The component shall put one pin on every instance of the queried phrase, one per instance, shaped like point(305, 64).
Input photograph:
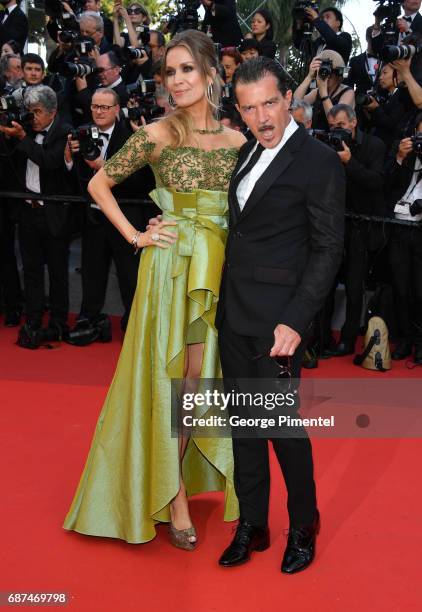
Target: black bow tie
point(43, 133)
point(371, 55)
point(106, 136)
point(408, 19)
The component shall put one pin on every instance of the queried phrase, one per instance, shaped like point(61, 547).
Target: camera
point(390, 53)
point(90, 143)
point(417, 142)
point(415, 208)
point(10, 111)
point(298, 14)
point(143, 93)
point(388, 9)
point(334, 138)
point(364, 99)
point(134, 53)
point(186, 18)
point(143, 32)
point(83, 46)
point(326, 69)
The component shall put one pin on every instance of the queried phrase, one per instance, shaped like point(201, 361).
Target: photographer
point(329, 24)
point(36, 160)
point(134, 42)
point(101, 242)
point(363, 162)
point(410, 22)
point(11, 74)
point(327, 68)
point(302, 113)
point(107, 74)
point(221, 22)
point(136, 20)
point(94, 6)
point(364, 68)
point(13, 23)
point(404, 198)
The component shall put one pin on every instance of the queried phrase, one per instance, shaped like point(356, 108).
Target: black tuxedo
point(101, 241)
point(224, 25)
point(14, 27)
point(282, 254)
point(378, 41)
point(44, 231)
point(359, 77)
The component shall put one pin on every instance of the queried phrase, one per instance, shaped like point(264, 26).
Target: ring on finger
point(155, 237)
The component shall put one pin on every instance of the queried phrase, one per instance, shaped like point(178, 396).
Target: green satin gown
point(132, 470)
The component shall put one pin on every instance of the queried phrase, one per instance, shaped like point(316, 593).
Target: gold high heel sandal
point(181, 538)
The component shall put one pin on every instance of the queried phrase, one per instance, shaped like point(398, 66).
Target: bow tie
point(43, 133)
point(106, 136)
point(408, 19)
point(371, 55)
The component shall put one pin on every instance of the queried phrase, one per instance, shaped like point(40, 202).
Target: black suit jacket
point(137, 185)
point(284, 248)
point(358, 75)
point(378, 41)
point(225, 28)
point(49, 156)
point(15, 27)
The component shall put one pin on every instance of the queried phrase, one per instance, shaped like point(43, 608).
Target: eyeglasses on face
point(102, 107)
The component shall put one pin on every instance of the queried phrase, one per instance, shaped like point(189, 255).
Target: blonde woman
point(137, 474)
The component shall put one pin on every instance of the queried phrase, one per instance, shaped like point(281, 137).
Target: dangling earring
point(171, 101)
point(209, 92)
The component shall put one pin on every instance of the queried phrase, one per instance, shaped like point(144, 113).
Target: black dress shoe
point(310, 360)
point(418, 354)
point(343, 348)
point(300, 550)
point(247, 539)
point(87, 331)
point(403, 349)
point(12, 318)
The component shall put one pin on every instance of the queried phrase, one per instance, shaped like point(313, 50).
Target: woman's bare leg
point(179, 509)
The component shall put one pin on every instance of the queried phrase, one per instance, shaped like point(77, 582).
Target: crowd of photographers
point(103, 80)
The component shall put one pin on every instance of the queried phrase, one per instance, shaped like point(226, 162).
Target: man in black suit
point(328, 23)
point(36, 158)
point(409, 23)
point(13, 23)
point(221, 20)
point(363, 163)
point(363, 68)
point(286, 202)
point(101, 242)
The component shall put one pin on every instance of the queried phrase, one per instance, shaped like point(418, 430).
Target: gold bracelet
point(134, 242)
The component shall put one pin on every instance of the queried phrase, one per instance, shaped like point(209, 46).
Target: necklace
point(216, 131)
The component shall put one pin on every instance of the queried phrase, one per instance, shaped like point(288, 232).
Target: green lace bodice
point(182, 168)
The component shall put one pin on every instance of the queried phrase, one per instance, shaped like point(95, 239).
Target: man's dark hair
point(112, 58)
point(256, 69)
point(33, 58)
point(337, 13)
point(160, 37)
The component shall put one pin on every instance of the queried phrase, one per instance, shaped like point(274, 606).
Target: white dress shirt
point(414, 192)
point(247, 184)
point(103, 154)
point(33, 170)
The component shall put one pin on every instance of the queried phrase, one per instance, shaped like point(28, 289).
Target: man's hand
point(402, 25)
point(372, 105)
point(16, 131)
point(402, 66)
point(311, 13)
point(95, 164)
point(286, 341)
point(346, 154)
point(405, 148)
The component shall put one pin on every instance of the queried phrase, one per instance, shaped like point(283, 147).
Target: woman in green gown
point(137, 474)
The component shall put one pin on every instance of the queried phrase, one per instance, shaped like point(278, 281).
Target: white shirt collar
point(119, 80)
point(291, 128)
point(11, 7)
point(412, 16)
point(109, 130)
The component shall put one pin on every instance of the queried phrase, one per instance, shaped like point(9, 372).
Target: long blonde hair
point(203, 52)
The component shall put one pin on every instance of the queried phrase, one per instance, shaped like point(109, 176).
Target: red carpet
point(368, 555)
